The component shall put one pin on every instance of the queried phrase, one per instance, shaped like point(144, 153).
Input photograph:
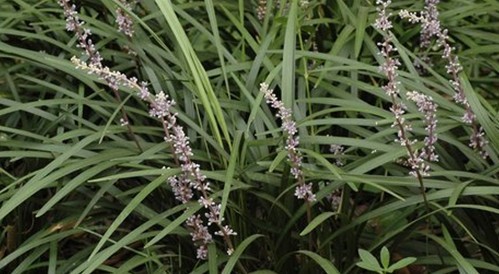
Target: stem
point(94, 56)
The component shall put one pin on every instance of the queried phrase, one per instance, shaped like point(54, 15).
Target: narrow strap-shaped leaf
point(288, 59)
point(130, 207)
point(234, 258)
point(37, 183)
point(316, 222)
point(325, 264)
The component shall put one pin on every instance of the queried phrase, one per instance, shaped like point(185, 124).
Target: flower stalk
point(389, 68)
point(190, 182)
point(303, 190)
point(74, 24)
point(431, 27)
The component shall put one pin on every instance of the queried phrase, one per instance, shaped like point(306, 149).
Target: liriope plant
point(133, 155)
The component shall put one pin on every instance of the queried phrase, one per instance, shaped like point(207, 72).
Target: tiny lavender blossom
point(428, 108)
point(261, 10)
point(337, 150)
point(74, 24)
point(200, 235)
point(302, 191)
point(125, 23)
point(335, 199)
point(383, 22)
point(431, 27)
point(305, 192)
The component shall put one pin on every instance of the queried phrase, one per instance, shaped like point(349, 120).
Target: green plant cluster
point(84, 170)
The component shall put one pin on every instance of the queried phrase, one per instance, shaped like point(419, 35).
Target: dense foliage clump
point(249, 136)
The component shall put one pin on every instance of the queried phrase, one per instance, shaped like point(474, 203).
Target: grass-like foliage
point(249, 136)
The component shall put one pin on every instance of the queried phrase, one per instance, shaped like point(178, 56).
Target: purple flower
point(74, 24)
point(337, 150)
point(206, 202)
point(200, 231)
point(143, 91)
point(477, 140)
point(289, 128)
point(202, 252)
point(431, 26)
point(214, 214)
point(305, 192)
point(199, 234)
point(226, 230)
point(428, 108)
point(181, 188)
point(160, 107)
point(125, 23)
point(383, 22)
point(182, 148)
